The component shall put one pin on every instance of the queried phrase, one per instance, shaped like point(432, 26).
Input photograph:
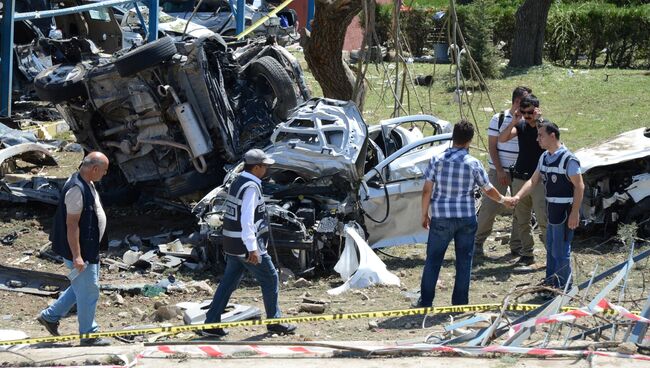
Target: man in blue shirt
point(448, 193)
point(559, 169)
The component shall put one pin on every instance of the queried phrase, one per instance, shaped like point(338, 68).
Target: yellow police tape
point(297, 320)
point(263, 19)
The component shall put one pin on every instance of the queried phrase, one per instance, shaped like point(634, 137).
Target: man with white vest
point(560, 171)
point(245, 231)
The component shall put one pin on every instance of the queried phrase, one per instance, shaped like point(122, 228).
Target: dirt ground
point(493, 279)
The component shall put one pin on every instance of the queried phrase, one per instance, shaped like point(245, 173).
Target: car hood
point(624, 147)
point(322, 137)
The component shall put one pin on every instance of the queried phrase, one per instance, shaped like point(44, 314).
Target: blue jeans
point(441, 232)
point(264, 273)
point(83, 291)
point(558, 254)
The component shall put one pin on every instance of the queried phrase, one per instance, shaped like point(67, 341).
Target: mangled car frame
point(169, 114)
point(617, 182)
point(330, 170)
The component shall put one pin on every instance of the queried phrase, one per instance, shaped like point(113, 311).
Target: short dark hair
point(249, 167)
point(520, 92)
point(463, 132)
point(528, 101)
point(549, 127)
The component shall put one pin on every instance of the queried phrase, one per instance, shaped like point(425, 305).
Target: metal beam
point(311, 10)
point(153, 20)
point(239, 16)
point(6, 55)
point(70, 10)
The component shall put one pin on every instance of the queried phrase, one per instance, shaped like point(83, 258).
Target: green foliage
point(478, 35)
point(417, 25)
point(616, 36)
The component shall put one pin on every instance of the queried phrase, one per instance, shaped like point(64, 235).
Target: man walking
point(529, 153)
point(245, 231)
point(559, 170)
point(452, 176)
point(503, 156)
point(78, 228)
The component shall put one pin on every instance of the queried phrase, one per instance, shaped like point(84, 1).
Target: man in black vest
point(245, 231)
point(529, 153)
point(78, 229)
point(559, 169)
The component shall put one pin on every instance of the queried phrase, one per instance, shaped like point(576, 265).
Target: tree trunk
point(530, 25)
point(324, 49)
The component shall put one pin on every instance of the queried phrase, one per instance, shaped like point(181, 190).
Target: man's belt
point(523, 176)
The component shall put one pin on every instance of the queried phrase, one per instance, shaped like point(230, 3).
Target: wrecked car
point(170, 114)
point(616, 174)
point(331, 170)
point(217, 15)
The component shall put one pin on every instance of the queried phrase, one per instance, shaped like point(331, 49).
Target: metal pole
point(70, 10)
point(7, 54)
point(153, 20)
point(239, 16)
point(143, 24)
point(311, 10)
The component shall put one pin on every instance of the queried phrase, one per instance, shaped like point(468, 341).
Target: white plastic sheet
point(360, 272)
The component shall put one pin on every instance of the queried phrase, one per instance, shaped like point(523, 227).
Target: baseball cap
point(257, 157)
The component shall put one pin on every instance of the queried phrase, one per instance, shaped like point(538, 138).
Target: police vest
point(232, 229)
point(88, 223)
point(558, 186)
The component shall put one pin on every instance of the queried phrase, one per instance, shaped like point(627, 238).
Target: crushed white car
point(332, 170)
point(617, 182)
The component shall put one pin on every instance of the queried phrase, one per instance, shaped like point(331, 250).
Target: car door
point(391, 193)
point(401, 131)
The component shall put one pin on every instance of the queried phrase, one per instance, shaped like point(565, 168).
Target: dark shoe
point(213, 332)
point(510, 256)
point(525, 261)
point(96, 341)
point(418, 304)
point(51, 327)
point(281, 328)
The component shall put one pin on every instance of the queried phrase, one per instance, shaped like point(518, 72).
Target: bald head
point(94, 159)
point(94, 166)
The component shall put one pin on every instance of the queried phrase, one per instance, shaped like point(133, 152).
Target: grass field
point(590, 105)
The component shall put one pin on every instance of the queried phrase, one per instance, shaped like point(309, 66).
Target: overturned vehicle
point(170, 114)
point(332, 169)
point(617, 182)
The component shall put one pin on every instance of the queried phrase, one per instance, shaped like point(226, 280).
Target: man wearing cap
point(245, 231)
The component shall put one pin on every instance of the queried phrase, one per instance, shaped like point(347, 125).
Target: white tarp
point(362, 272)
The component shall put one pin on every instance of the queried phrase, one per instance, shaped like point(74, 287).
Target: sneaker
point(281, 328)
point(96, 341)
point(51, 327)
point(213, 332)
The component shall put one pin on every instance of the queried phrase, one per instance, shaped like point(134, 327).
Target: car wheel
point(60, 82)
point(145, 56)
point(115, 190)
point(274, 84)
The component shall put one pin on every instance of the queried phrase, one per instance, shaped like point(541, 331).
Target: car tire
point(60, 82)
point(145, 56)
point(278, 80)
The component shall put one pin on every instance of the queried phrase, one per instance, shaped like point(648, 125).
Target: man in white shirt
point(503, 156)
point(245, 231)
point(78, 229)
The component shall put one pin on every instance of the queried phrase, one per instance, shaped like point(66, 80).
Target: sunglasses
point(529, 112)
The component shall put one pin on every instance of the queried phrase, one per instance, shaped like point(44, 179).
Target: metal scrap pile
point(570, 323)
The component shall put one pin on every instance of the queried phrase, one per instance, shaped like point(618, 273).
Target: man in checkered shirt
point(452, 177)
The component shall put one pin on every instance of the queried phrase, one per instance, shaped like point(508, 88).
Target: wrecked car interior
point(617, 182)
point(331, 171)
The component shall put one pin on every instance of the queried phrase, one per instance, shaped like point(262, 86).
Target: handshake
point(509, 202)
